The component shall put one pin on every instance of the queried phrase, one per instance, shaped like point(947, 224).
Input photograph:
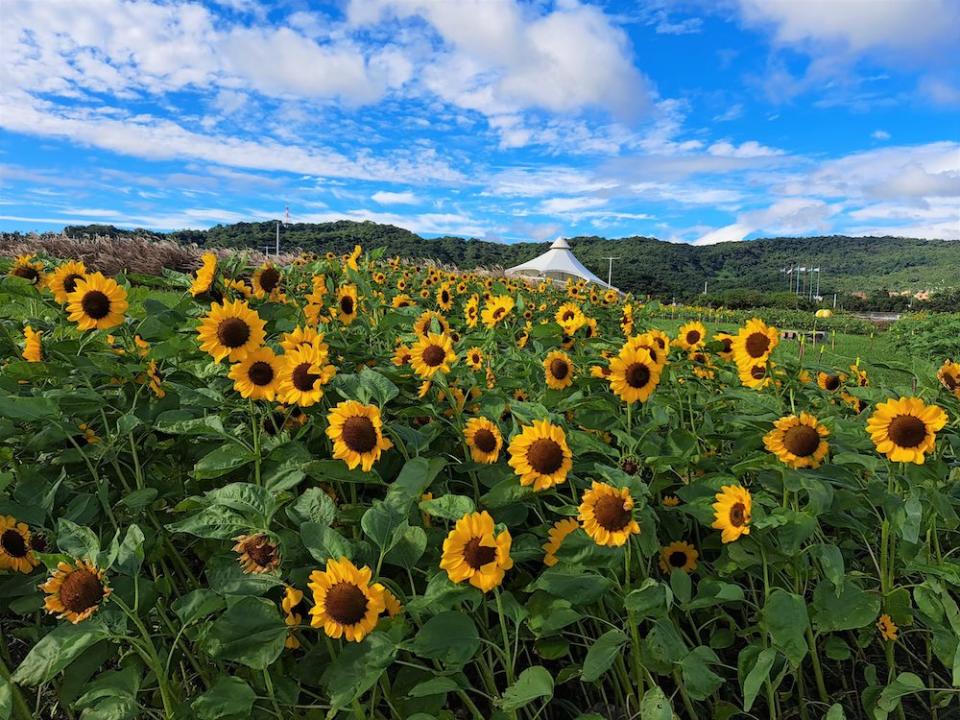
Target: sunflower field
point(353, 487)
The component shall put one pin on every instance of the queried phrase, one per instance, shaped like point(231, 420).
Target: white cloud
point(880, 135)
point(733, 112)
point(562, 205)
point(729, 233)
point(940, 91)
point(384, 197)
point(749, 149)
point(790, 216)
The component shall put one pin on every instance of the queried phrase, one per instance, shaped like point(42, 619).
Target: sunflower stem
point(256, 442)
point(508, 660)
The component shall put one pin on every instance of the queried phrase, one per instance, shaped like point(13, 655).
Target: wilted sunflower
point(633, 375)
point(357, 434)
point(539, 454)
point(231, 330)
point(29, 269)
point(570, 317)
point(206, 273)
point(345, 603)
point(678, 555)
point(484, 440)
point(74, 592)
point(445, 297)
point(32, 347)
point(63, 280)
point(258, 554)
point(727, 340)
point(555, 537)
point(347, 303)
point(257, 375)
point(558, 369)
point(798, 441)
point(266, 280)
point(732, 512)
point(754, 343)
point(96, 303)
point(692, 336)
point(16, 553)
point(905, 429)
point(472, 551)
point(430, 321)
point(949, 377)
point(475, 358)
point(496, 309)
point(303, 376)
point(831, 382)
point(606, 514)
point(432, 353)
point(887, 627)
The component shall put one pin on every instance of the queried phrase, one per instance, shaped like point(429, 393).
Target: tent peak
point(560, 244)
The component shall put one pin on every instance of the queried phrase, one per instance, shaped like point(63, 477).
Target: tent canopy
point(558, 263)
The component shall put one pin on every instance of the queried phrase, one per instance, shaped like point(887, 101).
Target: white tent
point(557, 263)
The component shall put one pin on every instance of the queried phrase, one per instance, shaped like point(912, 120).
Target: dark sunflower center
point(434, 355)
point(70, 282)
point(346, 305)
point(727, 344)
point(95, 304)
point(545, 456)
point(13, 544)
point(637, 375)
point(950, 381)
point(801, 440)
point(832, 382)
point(568, 315)
point(359, 434)
point(677, 559)
point(757, 345)
point(261, 550)
point(80, 591)
point(346, 603)
point(907, 430)
point(699, 358)
point(693, 337)
point(485, 440)
point(260, 373)
point(445, 297)
point(476, 359)
point(477, 555)
point(233, 332)
point(27, 273)
point(303, 379)
point(559, 369)
point(738, 514)
point(498, 313)
point(270, 279)
point(610, 513)
point(757, 372)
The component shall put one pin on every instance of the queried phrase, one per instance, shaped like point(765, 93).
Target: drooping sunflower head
point(484, 440)
point(906, 429)
point(432, 354)
point(831, 382)
point(691, 336)
point(606, 513)
point(755, 342)
point(206, 273)
point(558, 370)
point(267, 280)
point(231, 330)
point(75, 591)
point(345, 603)
point(32, 345)
point(257, 375)
point(949, 377)
point(303, 376)
point(633, 374)
point(726, 339)
point(732, 512)
point(475, 552)
point(555, 537)
point(798, 441)
point(97, 303)
point(540, 456)
point(678, 555)
point(257, 554)
point(27, 268)
point(63, 280)
point(357, 434)
point(16, 552)
point(154, 379)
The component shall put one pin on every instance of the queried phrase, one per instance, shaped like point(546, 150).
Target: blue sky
point(701, 121)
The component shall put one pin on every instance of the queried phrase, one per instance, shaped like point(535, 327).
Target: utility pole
point(610, 269)
point(286, 220)
point(704, 287)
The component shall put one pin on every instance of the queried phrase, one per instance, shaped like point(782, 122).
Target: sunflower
point(626, 319)
point(692, 336)
point(32, 347)
point(570, 317)
point(402, 356)
point(731, 512)
point(558, 369)
point(445, 297)
point(648, 342)
point(424, 325)
point(432, 353)
point(351, 259)
point(702, 365)
point(678, 555)
point(471, 311)
point(475, 358)
point(496, 309)
point(345, 603)
point(75, 592)
point(63, 280)
point(96, 303)
point(347, 303)
point(402, 301)
point(754, 376)
point(633, 375)
point(555, 536)
point(305, 337)
point(670, 501)
point(27, 268)
point(539, 454)
point(155, 380)
point(303, 376)
point(87, 436)
point(238, 286)
point(16, 553)
point(266, 280)
point(390, 601)
point(258, 554)
point(257, 375)
point(606, 514)
point(231, 330)
point(798, 441)
point(472, 551)
point(727, 340)
point(831, 382)
point(905, 429)
point(754, 343)
point(484, 440)
point(887, 627)
point(203, 281)
point(949, 376)
point(357, 434)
